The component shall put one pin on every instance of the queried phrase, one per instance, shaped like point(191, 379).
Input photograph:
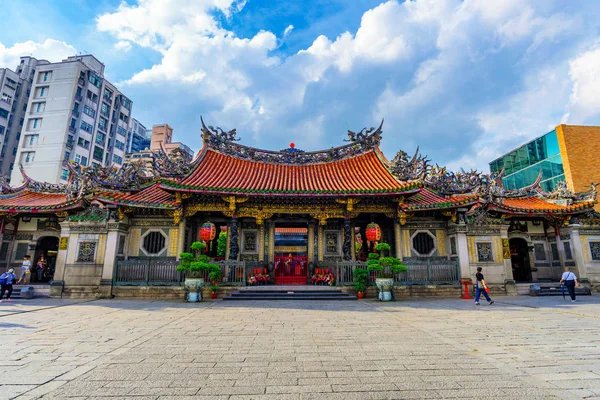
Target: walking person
point(481, 287)
point(26, 269)
point(41, 266)
point(569, 279)
point(6, 284)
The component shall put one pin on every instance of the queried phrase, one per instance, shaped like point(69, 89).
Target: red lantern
point(373, 232)
point(207, 232)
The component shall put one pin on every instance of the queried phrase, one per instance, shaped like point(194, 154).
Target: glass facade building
point(523, 165)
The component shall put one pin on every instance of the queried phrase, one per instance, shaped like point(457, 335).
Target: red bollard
point(466, 284)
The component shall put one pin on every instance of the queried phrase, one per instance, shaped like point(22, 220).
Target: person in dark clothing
point(481, 287)
point(569, 279)
point(6, 283)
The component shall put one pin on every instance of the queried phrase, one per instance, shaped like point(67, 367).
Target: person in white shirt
point(569, 279)
point(25, 269)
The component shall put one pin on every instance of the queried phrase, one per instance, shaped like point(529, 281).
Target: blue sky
point(464, 80)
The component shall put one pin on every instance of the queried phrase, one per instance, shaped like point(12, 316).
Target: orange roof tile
point(363, 174)
point(426, 199)
point(537, 205)
point(152, 196)
point(33, 201)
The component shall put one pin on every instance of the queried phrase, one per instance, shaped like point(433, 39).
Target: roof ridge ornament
point(224, 142)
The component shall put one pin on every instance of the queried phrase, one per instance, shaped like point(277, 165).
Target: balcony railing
point(81, 81)
point(75, 113)
point(70, 145)
point(78, 97)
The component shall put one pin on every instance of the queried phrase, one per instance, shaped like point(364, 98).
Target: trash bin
point(27, 293)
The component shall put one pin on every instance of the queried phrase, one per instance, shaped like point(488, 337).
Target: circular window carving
point(423, 243)
point(154, 243)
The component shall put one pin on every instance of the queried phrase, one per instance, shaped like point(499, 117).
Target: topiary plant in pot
point(361, 276)
point(195, 265)
point(385, 267)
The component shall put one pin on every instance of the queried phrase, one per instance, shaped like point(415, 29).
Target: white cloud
point(585, 74)
point(51, 50)
point(288, 30)
point(457, 77)
point(123, 45)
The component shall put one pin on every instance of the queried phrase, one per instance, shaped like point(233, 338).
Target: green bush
point(361, 277)
point(195, 265)
point(222, 244)
point(385, 266)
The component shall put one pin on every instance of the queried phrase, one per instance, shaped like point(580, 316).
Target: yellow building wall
point(579, 147)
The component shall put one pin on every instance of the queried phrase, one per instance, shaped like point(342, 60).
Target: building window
point(108, 94)
point(452, 246)
point(119, 145)
point(40, 107)
point(104, 110)
point(595, 250)
point(83, 143)
point(3, 113)
point(89, 111)
point(87, 127)
point(250, 242)
point(64, 175)
point(84, 160)
point(423, 243)
point(484, 252)
point(47, 76)
point(100, 137)
point(539, 252)
point(67, 155)
point(103, 124)
point(43, 91)
point(154, 243)
point(127, 103)
point(28, 157)
point(117, 159)
point(86, 252)
point(554, 249)
point(332, 242)
point(6, 98)
point(95, 79)
point(2, 129)
point(31, 140)
point(568, 253)
point(98, 153)
point(121, 131)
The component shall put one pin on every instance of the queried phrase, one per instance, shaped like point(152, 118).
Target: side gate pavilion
point(293, 213)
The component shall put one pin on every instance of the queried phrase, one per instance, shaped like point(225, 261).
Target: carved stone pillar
point(261, 242)
point(320, 244)
point(311, 242)
point(397, 240)
point(234, 247)
point(58, 283)
point(346, 248)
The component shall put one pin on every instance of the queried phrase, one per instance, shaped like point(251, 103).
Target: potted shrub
point(195, 265)
point(213, 291)
point(386, 267)
point(215, 275)
point(361, 276)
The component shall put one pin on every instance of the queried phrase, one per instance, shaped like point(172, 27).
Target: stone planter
point(385, 286)
point(193, 289)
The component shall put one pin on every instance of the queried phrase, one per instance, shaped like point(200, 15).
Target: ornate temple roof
point(225, 167)
point(31, 201)
point(152, 196)
point(426, 199)
point(362, 174)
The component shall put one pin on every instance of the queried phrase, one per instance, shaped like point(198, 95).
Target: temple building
point(289, 214)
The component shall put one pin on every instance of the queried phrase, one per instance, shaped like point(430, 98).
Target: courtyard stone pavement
point(518, 348)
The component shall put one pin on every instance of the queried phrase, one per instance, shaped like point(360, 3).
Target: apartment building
point(15, 88)
point(163, 134)
point(138, 137)
point(73, 114)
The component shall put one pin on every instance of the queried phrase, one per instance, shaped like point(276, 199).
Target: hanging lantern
point(207, 232)
point(373, 232)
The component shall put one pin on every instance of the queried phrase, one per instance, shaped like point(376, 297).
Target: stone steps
point(272, 293)
point(554, 289)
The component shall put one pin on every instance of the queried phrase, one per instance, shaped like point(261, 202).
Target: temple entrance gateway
point(519, 258)
point(47, 246)
point(291, 255)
